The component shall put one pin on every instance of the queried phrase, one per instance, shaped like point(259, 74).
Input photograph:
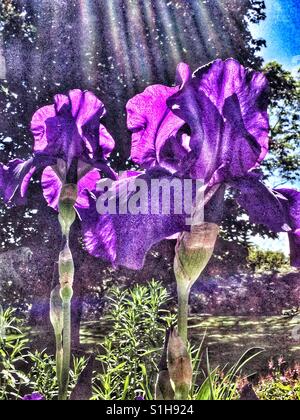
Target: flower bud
point(193, 252)
point(66, 268)
point(56, 310)
point(67, 200)
point(66, 293)
point(179, 366)
point(163, 388)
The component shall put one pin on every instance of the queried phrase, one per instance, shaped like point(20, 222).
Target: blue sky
point(281, 30)
point(282, 33)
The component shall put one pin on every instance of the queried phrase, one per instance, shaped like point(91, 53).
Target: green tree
point(284, 157)
point(14, 20)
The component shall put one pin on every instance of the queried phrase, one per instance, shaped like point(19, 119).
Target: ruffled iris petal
point(125, 239)
point(263, 205)
point(229, 136)
point(279, 210)
point(71, 128)
point(16, 175)
point(152, 124)
point(222, 79)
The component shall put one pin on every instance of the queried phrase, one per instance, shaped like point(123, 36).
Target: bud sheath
point(67, 214)
point(193, 251)
point(179, 366)
point(66, 267)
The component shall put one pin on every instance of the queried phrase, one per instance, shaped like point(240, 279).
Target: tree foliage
point(14, 21)
point(284, 157)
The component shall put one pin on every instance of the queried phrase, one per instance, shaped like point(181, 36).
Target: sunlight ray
point(88, 36)
point(120, 47)
point(169, 31)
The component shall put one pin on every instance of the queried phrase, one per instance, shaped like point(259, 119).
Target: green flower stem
point(67, 216)
point(66, 271)
point(66, 348)
point(59, 362)
point(56, 317)
point(183, 311)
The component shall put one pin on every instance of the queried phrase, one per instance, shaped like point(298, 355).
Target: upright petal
point(106, 142)
point(56, 133)
point(87, 110)
point(44, 136)
point(207, 128)
point(71, 128)
point(222, 79)
point(227, 138)
point(152, 125)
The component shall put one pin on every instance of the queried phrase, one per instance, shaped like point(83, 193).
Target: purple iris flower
point(139, 398)
point(70, 145)
point(212, 126)
point(36, 396)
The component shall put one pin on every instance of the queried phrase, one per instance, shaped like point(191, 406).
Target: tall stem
point(56, 317)
point(59, 362)
point(67, 216)
point(66, 268)
point(66, 348)
point(183, 311)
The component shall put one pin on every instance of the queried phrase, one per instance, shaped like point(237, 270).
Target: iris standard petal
point(220, 80)
point(71, 128)
point(224, 143)
point(152, 124)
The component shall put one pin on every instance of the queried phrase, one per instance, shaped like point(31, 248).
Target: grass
point(228, 337)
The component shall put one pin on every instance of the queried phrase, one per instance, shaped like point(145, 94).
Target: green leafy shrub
point(12, 355)
point(131, 352)
point(129, 357)
point(23, 372)
point(43, 377)
point(266, 260)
